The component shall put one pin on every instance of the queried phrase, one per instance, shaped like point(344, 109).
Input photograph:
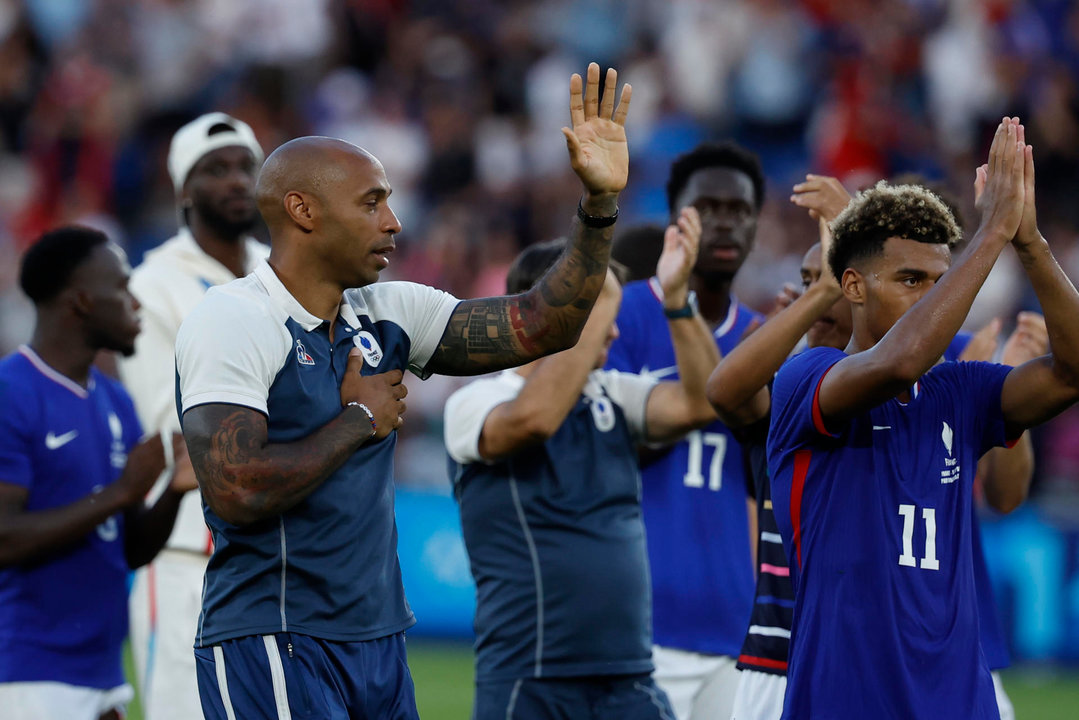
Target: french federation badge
point(368, 345)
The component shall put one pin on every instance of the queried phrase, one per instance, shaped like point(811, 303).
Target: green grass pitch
point(443, 677)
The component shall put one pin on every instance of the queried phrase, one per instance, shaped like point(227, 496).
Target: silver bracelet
point(370, 415)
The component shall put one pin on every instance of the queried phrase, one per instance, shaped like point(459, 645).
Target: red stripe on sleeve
point(801, 468)
point(818, 418)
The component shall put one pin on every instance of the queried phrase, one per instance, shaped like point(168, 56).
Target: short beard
point(224, 227)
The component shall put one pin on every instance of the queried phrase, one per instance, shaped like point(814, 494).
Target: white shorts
point(166, 598)
point(700, 687)
point(1004, 703)
point(60, 701)
point(759, 696)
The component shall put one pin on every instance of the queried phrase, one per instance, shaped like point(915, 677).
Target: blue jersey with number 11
point(693, 496)
point(876, 518)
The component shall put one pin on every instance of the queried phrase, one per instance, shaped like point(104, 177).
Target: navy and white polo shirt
point(327, 567)
point(555, 535)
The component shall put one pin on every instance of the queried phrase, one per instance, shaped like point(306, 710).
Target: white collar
point(281, 297)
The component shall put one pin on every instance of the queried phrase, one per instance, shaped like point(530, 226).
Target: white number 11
point(929, 562)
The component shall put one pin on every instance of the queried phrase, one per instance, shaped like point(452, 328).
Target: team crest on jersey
point(950, 473)
point(368, 345)
point(302, 356)
point(117, 452)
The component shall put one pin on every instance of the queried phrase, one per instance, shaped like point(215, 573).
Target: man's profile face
point(724, 198)
point(899, 277)
point(356, 222)
point(221, 189)
point(833, 328)
point(112, 320)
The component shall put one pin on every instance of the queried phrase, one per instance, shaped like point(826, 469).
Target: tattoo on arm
point(494, 333)
point(243, 477)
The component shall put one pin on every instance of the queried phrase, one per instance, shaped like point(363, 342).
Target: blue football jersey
point(694, 496)
point(64, 618)
point(994, 644)
point(876, 519)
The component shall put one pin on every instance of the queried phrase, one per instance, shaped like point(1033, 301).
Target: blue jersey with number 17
point(693, 496)
point(875, 515)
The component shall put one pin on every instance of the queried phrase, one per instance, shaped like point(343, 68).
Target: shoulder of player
point(113, 388)
point(388, 298)
point(242, 306)
point(611, 380)
point(813, 361)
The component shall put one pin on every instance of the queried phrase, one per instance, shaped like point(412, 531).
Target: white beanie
point(193, 141)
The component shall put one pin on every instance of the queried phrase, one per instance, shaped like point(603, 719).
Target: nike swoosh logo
point(659, 372)
point(53, 442)
point(882, 427)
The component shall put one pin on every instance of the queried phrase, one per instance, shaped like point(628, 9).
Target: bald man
point(289, 385)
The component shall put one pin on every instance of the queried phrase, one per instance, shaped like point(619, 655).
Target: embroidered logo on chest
point(369, 346)
point(950, 473)
point(302, 356)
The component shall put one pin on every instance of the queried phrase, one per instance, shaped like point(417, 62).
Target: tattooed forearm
point(244, 478)
point(494, 333)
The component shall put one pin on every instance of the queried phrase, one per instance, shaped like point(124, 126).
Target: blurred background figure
point(213, 162)
point(73, 474)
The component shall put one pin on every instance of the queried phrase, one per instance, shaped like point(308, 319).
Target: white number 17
point(697, 440)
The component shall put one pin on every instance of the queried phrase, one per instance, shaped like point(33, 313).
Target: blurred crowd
point(462, 100)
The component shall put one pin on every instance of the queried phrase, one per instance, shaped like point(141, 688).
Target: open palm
point(598, 151)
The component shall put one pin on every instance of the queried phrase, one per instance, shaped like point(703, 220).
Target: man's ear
point(853, 284)
point(78, 300)
point(300, 208)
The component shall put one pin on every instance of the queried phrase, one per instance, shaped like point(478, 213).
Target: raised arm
point(245, 478)
point(1043, 387)
point(493, 333)
point(552, 387)
point(677, 407)
point(920, 337)
point(738, 388)
point(1006, 472)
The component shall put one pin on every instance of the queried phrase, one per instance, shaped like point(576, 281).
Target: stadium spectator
point(544, 468)
point(702, 592)
point(73, 475)
point(292, 436)
point(213, 162)
point(871, 592)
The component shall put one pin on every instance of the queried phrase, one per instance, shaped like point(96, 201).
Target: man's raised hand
point(824, 197)
point(999, 185)
point(598, 151)
point(681, 242)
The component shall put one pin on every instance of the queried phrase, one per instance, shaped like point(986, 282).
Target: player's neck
point(713, 298)
point(228, 249)
point(64, 352)
point(318, 296)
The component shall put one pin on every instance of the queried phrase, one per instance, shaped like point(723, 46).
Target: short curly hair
point(884, 211)
point(708, 155)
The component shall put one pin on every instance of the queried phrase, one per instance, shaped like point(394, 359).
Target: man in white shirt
point(213, 162)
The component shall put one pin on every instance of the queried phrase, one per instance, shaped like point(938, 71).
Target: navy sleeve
point(796, 417)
